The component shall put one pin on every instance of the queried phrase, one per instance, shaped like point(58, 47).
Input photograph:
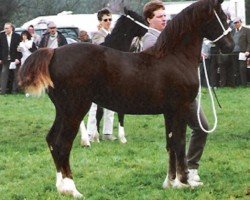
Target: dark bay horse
point(127, 27)
point(161, 80)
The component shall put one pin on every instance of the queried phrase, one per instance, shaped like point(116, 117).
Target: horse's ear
point(125, 10)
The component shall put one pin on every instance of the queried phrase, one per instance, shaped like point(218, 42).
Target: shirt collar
point(106, 31)
point(9, 34)
point(155, 30)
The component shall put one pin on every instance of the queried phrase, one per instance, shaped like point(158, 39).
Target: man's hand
point(17, 61)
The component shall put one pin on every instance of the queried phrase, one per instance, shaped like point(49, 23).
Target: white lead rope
point(211, 97)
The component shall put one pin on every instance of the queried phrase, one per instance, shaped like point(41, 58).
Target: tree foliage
point(24, 10)
point(7, 10)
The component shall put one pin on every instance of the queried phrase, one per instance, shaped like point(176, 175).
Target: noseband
point(225, 32)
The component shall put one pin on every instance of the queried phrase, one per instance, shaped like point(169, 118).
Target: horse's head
point(126, 28)
point(217, 29)
point(134, 22)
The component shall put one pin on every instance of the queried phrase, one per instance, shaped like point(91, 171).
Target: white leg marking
point(167, 183)
point(58, 179)
point(95, 137)
point(66, 186)
point(178, 184)
point(84, 135)
point(194, 183)
point(121, 134)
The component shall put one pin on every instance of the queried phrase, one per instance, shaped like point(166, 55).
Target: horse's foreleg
point(84, 135)
point(99, 115)
point(179, 145)
point(169, 181)
point(93, 122)
point(121, 133)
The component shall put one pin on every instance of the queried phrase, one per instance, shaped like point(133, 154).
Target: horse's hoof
point(85, 143)
point(123, 140)
point(95, 137)
point(66, 186)
point(168, 183)
point(178, 184)
point(77, 195)
point(194, 184)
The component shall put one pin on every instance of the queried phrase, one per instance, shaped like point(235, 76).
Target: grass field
point(110, 170)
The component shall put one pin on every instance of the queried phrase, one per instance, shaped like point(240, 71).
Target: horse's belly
point(129, 105)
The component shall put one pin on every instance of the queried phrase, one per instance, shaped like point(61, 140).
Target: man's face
point(237, 24)
point(31, 30)
point(7, 29)
point(159, 21)
point(83, 36)
point(52, 30)
point(106, 21)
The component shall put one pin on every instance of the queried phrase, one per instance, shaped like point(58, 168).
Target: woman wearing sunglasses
point(105, 18)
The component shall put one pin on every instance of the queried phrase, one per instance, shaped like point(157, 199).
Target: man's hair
point(11, 25)
point(150, 7)
point(104, 11)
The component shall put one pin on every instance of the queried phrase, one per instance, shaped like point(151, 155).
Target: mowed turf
point(110, 170)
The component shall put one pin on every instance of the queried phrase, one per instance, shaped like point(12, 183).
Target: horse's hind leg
point(121, 133)
point(99, 115)
point(60, 140)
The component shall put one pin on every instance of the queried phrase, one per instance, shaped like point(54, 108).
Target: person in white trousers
point(104, 17)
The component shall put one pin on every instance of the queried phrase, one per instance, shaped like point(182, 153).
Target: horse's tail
point(34, 76)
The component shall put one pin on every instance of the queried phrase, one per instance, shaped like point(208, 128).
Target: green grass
point(110, 170)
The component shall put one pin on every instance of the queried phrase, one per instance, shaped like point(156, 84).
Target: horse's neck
point(191, 48)
point(120, 43)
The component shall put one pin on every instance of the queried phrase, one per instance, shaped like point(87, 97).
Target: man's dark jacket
point(4, 49)
point(60, 39)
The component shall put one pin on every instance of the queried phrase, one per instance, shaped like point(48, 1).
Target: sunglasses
point(109, 19)
point(52, 28)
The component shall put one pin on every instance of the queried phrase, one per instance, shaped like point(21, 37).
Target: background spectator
point(83, 36)
point(241, 36)
point(34, 36)
point(53, 38)
point(9, 57)
point(26, 46)
point(104, 17)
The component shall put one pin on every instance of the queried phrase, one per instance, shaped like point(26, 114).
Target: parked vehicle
point(87, 22)
point(70, 33)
